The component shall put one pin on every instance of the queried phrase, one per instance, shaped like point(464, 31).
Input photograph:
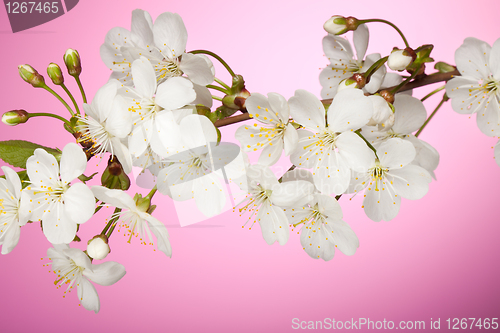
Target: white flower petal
point(42, 166)
point(170, 34)
point(197, 131)
point(197, 69)
point(411, 182)
point(472, 58)
point(142, 28)
point(73, 162)
point(395, 153)
point(13, 181)
point(144, 77)
point(381, 201)
point(488, 117)
point(279, 105)
point(161, 234)
point(410, 114)
point(79, 203)
point(116, 198)
point(360, 40)
point(350, 109)
point(105, 274)
point(57, 226)
point(271, 152)
point(175, 93)
point(290, 139)
point(354, 151)
point(273, 224)
point(495, 59)
point(307, 110)
point(259, 108)
point(10, 238)
point(87, 295)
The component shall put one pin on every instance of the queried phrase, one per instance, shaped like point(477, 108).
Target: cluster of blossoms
point(477, 89)
point(154, 115)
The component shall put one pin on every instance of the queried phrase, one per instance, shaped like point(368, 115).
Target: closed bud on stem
point(72, 61)
point(114, 177)
point(338, 25)
point(15, 117)
point(237, 96)
point(349, 83)
point(30, 75)
point(388, 96)
point(400, 59)
point(98, 247)
point(443, 67)
point(55, 74)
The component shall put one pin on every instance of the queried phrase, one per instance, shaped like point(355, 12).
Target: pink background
point(437, 259)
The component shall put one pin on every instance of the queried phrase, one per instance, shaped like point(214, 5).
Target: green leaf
point(17, 152)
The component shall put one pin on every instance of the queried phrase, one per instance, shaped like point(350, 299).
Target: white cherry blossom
point(390, 178)
point(276, 134)
point(136, 218)
point(74, 268)
point(343, 65)
point(107, 124)
point(323, 229)
point(15, 209)
point(477, 90)
point(266, 199)
point(60, 205)
point(409, 116)
point(163, 43)
point(333, 149)
point(153, 108)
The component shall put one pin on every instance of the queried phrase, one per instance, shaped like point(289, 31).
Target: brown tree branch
point(420, 82)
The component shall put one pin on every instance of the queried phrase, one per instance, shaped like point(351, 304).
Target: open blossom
point(276, 134)
point(343, 64)
point(389, 178)
point(74, 268)
point(59, 204)
point(136, 217)
point(152, 107)
point(477, 89)
point(409, 116)
point(15, 209)
point(107, 123)
point(266, 199)
point(163, 43)
point(323, 229)
point(333, 149)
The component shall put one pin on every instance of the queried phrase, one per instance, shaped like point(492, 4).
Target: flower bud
point(98, 248)
point(346, 84)
point(388, 96)
point(72, 61)
point(55, 74)
point(443, 67)
point(30, 75)
point(338, 25)
point(237, 96)
point(15, 117)
point(114, 177)
point(399, 60)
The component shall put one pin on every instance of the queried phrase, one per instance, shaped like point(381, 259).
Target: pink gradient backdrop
point(438, 259)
